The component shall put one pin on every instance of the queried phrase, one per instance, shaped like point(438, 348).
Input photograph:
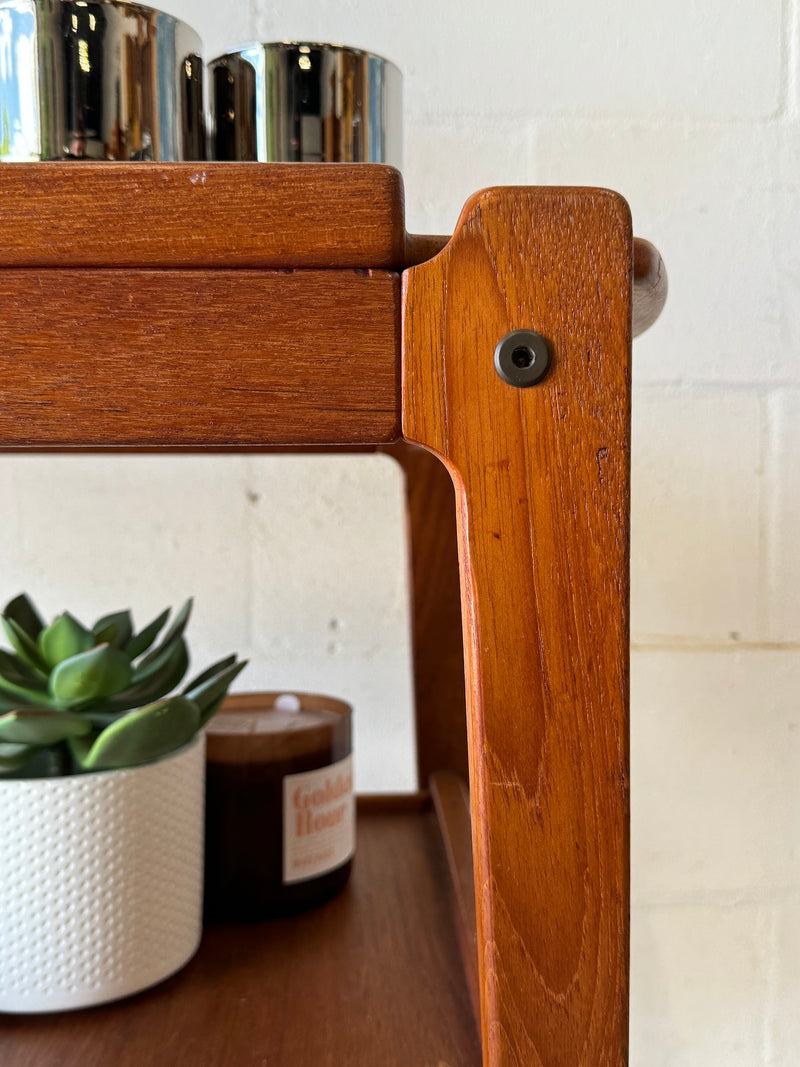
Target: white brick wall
point(692, 110)
point(700, 986)
point(715, 751)
point(715, 744)
point(298, 564)
point(695, 529)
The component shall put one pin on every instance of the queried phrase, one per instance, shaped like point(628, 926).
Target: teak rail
point(251, 307)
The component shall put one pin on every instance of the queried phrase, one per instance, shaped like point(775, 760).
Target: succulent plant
point(76, 699)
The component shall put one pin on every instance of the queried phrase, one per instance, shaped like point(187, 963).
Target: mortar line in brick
point(651, 119)
point(665, 643)
point(705, 388)
point(748, 897)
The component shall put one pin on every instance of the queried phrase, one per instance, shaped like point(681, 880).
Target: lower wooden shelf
point(374, 978)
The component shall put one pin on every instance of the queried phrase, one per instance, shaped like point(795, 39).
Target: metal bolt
point(522, 358)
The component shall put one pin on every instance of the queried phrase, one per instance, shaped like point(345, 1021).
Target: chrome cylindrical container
point(98, 79)
point(305, 103)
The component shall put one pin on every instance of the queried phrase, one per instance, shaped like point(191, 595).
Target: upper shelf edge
point(201, 215)
point(205, 215)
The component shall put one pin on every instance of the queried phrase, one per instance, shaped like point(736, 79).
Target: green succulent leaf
point(64, 638)
point(13, 756)
point(19, 682)
point(211, 690)
point(154, 664)
point(71, 699)
point(144, 639)
point(99, 719)
point(115, 629)
point(141, 735)
point(175, 631)
point(210, 672)
point(8, 703)
point(156, 685)
point(90, 676)
point(15, 669)
point(25, 647)
point(25, 615)
point(35, 726)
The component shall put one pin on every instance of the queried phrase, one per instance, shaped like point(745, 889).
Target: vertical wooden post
point(439, 697)
point(542, 484)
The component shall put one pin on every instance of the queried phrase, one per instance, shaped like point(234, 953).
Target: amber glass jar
point(280, 809)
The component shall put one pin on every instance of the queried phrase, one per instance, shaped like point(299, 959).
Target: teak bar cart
point(249, 307)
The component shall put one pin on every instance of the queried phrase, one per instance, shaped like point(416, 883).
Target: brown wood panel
point(542, 481)
point(649, 275)
point(451, 803)
point(371, 978)
point(184, 359)
point(439, 694)
point(201, 215)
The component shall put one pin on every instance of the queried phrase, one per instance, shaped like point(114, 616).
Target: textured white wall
point(299, 564)
point(692, 110)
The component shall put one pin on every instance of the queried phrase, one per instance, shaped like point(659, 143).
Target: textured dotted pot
point(101, 880)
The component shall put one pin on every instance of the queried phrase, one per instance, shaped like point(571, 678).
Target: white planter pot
point(101, 881)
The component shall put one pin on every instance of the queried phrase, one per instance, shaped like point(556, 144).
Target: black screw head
point(522, 358)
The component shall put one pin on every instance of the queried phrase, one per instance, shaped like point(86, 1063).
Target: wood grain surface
point(451, 802)
point(175, 355)
point(72, 214)
point(649, 275)
point(437, 643)
point(542, 481)
point(186, 359)
point(371, 979)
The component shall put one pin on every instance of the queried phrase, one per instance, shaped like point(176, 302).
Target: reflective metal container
point(305, 103)
point(98, 79)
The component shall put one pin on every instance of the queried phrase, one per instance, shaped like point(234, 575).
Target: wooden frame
point(267, 300)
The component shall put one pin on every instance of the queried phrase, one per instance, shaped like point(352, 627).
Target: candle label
point(319, 821)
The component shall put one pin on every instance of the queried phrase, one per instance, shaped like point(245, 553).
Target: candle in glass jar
point(280, 808)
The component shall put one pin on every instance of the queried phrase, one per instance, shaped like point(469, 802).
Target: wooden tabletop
point(371, 979)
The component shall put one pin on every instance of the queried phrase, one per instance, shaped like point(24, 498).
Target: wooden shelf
point(229, 215)
point(254, 307)
point(233, 215)
point(373, 977)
